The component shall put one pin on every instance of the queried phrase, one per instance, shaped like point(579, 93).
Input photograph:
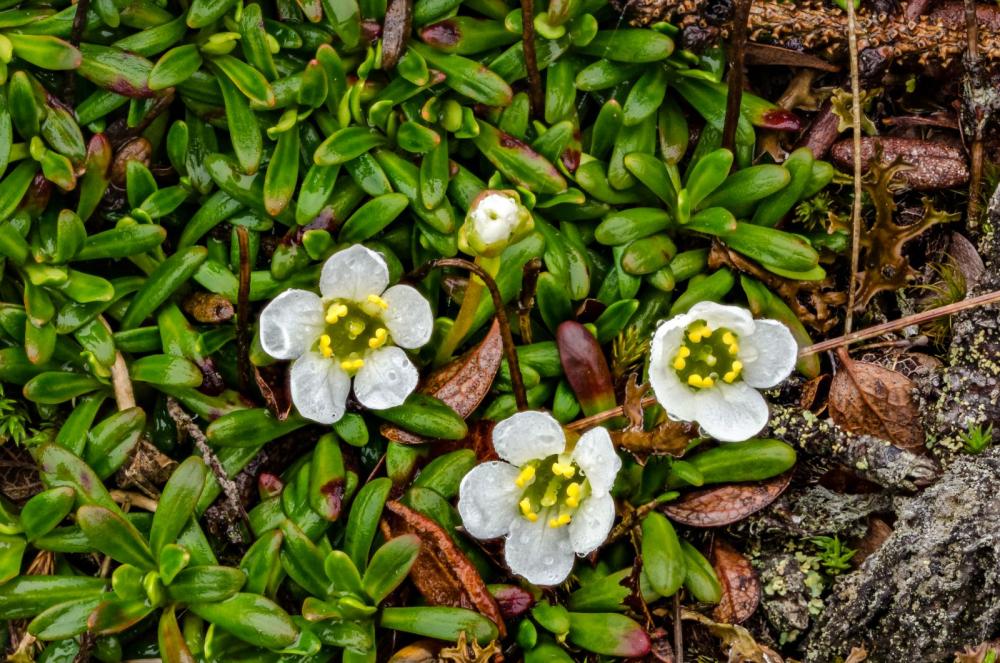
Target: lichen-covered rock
point(932, 588)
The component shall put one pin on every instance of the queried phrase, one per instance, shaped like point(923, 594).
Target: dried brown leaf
point(715, 507)
point(740, 585)
point(273, 387)
point(871, 400)
point(670, 438)
point(736, 640)
point(632, 405)
point(857, 655)
point(461, 384)
point(878, 532)
point(442, 573)
point(422, 651)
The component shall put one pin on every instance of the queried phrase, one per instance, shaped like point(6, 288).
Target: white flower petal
point(528, 435)
point(731, 412)
point(353, 274)
point(487, 499)
point(675, 396)
point(595, 454)
point(386, 379)
point(768, 354)
point(291, 323)
point(319, 388)
point(540, 554)
point(408, 318)
point(735, 318)
point(591, 523)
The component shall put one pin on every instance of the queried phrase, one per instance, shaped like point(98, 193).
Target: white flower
point(495, 220)
point(707, 364)
point(551, 498)
point(354, 330)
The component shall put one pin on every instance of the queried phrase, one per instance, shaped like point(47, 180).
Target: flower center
point(553, 488)
point(352, 330)
point(707, 355)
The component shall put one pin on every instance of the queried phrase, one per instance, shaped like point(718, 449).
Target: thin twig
point(601, 417)
point(243, 310)
point(737, 55)
point(229, 489)
point(75, 35)
point(535, 97)
point(852, 47)
point(526, 302)
point(679, 627)
point(510, 350)
point(973, 91)
point(896, 325)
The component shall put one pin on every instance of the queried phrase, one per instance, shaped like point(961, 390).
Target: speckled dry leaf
point(462, 384)
point(736, 640)
point(715, 507)
point(871, 400)
point(740, 586)
point(932, 164)
point(632, 405)
point(442, 573)
point(661, 648)
point(810, 392)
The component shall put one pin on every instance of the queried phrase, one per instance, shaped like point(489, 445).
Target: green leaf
point(46, 510)
point(251, 618)
point(609, 634)
point(199, 584)
point(110, 443)
point(117, 615)
point(389, 566)
point(173, 647)
point(362, 523)
point(115, 536)
point(181, 493)
point(11, 551)
point(440, 622)
point(27, 596)
point(64, 620)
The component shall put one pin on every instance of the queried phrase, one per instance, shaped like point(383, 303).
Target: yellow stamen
point(563, 519)
point(707, 382)
point(526, 510)
point(526, 475)
point(728, 338)
point(734, 349)
point(378, 301)
point(680, 364)
point(573, 495)
point(352, 364)
point(324, 346)
point(730, 376)
point(563, 469)
point(737, 366)
point(335, 313)
point(684, 351)
point(694, 380)
point(377, 341)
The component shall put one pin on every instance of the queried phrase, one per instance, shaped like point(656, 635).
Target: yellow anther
point(729, 338)
point(559, 521)
point(707, 382)
point(377, 341)
point(352, 364)
point(684, 351)
point(354, 329)
point(710, 360)
point(324, 346)
point(335, 313)
point(527, 511)
point(737, 366)
point(734, 349)
point(694, 380)
point(573, 495)
point(730, 377)
point(563, 469)
point(378, 301)
point(680, 364)
point(526, 475)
